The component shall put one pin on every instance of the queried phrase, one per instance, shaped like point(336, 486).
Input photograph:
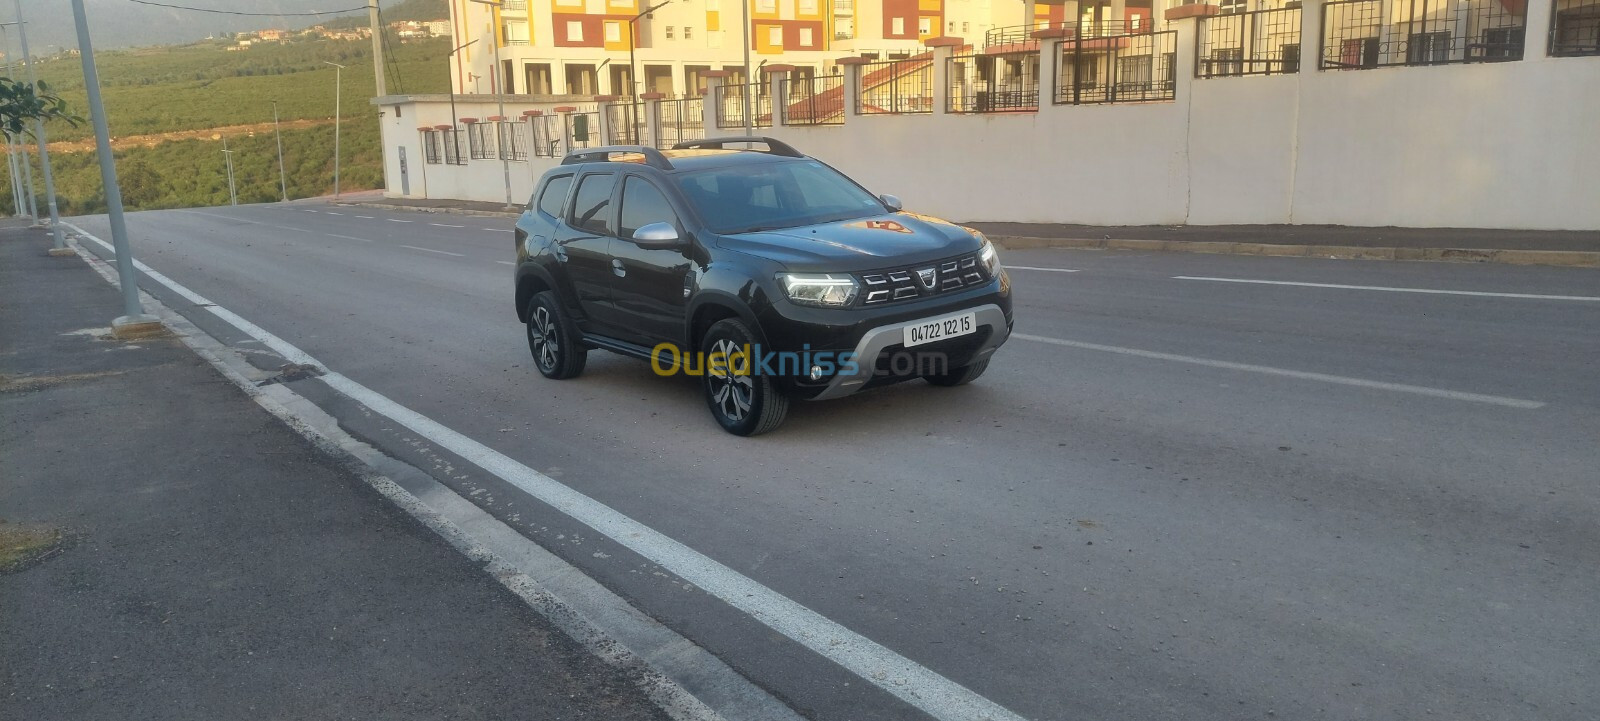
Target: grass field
point(203, 86)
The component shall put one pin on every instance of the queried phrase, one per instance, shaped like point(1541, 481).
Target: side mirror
point(657, 236)
point(892, 202)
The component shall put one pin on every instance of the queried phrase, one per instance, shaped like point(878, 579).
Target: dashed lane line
point(430, 250)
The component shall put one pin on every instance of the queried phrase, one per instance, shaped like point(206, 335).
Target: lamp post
point(499, 93)
point(133, 323)
point(633, 72)
point(60, 247)
point(227, 156)
point(453, 117)
point(22, 153)
point(338, 90)
point(749, 120)
point(283, 177)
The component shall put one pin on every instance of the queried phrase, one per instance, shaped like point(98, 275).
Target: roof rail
point(774, 146)
point(652, 157)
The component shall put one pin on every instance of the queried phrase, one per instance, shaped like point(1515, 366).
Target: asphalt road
point(1169, 498)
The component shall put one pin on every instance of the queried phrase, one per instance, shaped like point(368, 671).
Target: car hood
point(878, 241)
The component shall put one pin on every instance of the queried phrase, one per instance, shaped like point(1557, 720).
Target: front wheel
point(552, 339)
point(744, 404)
point(958, 376)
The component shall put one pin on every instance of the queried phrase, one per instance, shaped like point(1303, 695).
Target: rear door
point(582, 244)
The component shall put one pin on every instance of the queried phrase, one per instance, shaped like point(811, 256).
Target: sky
point(123, 23)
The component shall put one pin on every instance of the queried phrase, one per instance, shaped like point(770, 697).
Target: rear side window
point(591, 211)
point(555, 193)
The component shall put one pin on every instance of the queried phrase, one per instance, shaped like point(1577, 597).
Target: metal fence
point(432, 147)
point(1359, 34)
point(896, 87)
point(814, 101)
point(546, 131)
point(1263, 42)
point(1020, 37)
point(625, 123)
point(454, 147)
point(1117, 68)
point(993, 83)
point(730, 105)
point(480, 142)
point(583, 129)
point(1575, 27)
point(680, 120)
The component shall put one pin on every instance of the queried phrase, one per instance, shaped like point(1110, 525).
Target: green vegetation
point(408, 10)
point(203, 86)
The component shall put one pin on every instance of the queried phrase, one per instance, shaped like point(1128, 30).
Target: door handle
point(616, 267)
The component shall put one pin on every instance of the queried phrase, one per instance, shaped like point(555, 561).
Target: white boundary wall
point(1496, 145)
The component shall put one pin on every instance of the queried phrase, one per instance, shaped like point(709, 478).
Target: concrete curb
point(1566, 258)
point(447, 211)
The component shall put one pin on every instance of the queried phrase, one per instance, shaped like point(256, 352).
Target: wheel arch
point(531, 280)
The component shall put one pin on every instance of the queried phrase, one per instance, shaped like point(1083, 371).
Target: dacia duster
point(766, 272)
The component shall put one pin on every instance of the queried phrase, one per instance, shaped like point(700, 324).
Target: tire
point(553, 340)
point(958, 376)
point(744, 405)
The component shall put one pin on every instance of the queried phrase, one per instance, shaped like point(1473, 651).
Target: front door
point(651, 288)
point(583, 243)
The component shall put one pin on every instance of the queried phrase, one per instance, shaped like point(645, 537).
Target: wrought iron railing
point(480, 142)
point(1021, 37)
point(896, 87)
point(1360, 34)
point(1263, 42)
point(993, 83)
point(1117, 69)
point(730, 105)
point(680, 120)
point(513, 138)
point(814, 101)
point(583, 129)
point(625, 123)
point(432, 147)
point(546, 131)
point(1575, 27)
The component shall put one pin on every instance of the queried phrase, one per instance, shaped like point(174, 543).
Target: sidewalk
point(216, 565)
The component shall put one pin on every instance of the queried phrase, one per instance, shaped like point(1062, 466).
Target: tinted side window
point(555, 193)
point(592, 209)
point(643, 204)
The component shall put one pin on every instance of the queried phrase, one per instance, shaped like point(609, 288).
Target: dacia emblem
point(927, 276)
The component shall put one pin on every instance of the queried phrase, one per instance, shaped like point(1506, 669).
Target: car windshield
point(769, 196)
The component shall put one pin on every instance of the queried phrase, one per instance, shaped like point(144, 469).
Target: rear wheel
point(958, 376)
point(552, 339)
point(744, 404)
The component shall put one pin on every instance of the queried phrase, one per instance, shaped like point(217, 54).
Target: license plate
point(938, 329)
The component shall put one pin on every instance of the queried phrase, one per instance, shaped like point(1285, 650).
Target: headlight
point(828, 290)
point(987, 254)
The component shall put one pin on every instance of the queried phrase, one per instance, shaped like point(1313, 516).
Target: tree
point(20, 106)
point(141, 185)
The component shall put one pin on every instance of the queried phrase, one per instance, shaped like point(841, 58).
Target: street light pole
point(283, 177)
point(633, 73)
point(227, 155)
point(338, 90)
point(749, 120)
point(60, 247)
point(22, 153)
point(499, 92)
point(133, 322)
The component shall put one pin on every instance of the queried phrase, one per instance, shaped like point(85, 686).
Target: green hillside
point(203, 86)
point(408, 10)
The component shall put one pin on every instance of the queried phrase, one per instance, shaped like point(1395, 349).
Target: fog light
point(816, 373)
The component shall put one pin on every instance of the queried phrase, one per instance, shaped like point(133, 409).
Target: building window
point(925, 26)
point(952, 27)
point(1231, 7)
point(574, 31)
point(766, 6)
point(775, 36)
point(808, 7)
point(805, 37)
point(688, 33)
point(516, 32)
point(1428, 48)
point(897, 26)
point(614, 32)
point(669, 32)
point(965, 27)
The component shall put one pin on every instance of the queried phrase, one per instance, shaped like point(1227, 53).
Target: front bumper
point(994, 327)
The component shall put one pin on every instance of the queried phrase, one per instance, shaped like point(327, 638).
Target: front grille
point(921, 280)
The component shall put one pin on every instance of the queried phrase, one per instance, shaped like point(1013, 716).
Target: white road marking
point(348, 237)
point(1386, 289)
point(1051, 270)
point(876, 664)
point(305, 210)
point(505, 262)
point(499, 230)
point(1283, 372)
point(430, 250)
point(395, 220)
point(297, 230)
point(329, 212)
point(363, 217)
point(442, 225)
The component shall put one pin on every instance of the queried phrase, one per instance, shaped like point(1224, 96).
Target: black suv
point(768, 273)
